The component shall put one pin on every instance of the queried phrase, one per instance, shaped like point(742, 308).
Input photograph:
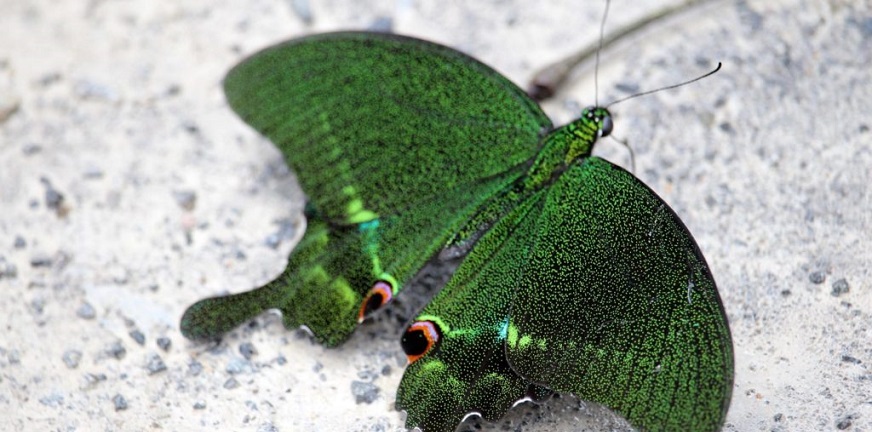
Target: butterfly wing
point(466, 370)
point(591, 286)
point(617, 305)
point(330, 271)
point(373, 122)
point(395, 141)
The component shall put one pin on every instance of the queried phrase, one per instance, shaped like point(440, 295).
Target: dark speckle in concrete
point(195, 367)
point(186, 199)
point(40, 260)
point(247, 350)
point(164, 343)
point(137, 336)
point(155, 364)
point(817, 277)
point(364, 392)
point(116, 350)
point(53, 400)
point(86, 311)
point(231, 383)
point(845, 422)
point(267, 427)
point(72, 357)
point(840, 287)
point(120, 402)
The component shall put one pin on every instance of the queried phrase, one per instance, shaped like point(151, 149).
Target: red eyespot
point(419, 339)
point(379, 295)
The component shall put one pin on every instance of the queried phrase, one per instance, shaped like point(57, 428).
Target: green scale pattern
point(577, 277)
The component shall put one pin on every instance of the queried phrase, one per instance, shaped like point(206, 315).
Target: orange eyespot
point(419, 339)
point(379, 295)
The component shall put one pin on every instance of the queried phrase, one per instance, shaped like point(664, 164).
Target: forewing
point(617, 305)
point(373, 123)
point(396, 142)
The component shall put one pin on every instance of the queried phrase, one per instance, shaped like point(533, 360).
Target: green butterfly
point(577, 277)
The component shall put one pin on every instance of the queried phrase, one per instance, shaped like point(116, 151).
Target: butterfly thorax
point(560, 148)
point(566, 145)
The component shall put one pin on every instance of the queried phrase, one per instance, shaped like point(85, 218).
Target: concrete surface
point(128, 190)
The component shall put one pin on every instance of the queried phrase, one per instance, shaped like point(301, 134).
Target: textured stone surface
point(118, 108)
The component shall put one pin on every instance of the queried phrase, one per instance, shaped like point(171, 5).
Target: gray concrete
point(129, 190)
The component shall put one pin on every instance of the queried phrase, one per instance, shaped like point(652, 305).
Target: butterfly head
point(599, 118)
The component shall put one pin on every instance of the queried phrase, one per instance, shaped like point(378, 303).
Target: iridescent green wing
point(592, 286)
point(617, 305)
point(455, 346)
point(396, 142)
point(372, 123)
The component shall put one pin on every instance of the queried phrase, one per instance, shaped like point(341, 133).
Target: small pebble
point(286, 231)
point(116, 350)
point(191, 127)
point(93, 172)
point(38, 305)
point(231, 383)
point(31, 149)
point(817, 277)
point(195, 367)
point(364, 392)
point(186, 199)
point(138, 337)
point(89, 89)
point(840, 287)
point(155, 364)
point(7, 269)
point(267, 427)
point(164, 343)
point(53, 400)
point(382, 24)
point(367, 375)
point(198, 405)
point(247, 350)
point(72, 358)
point(40, 260)
point(49, 79)
point(120, 402)
point(13, 357)
point(281, 360)
point(86, 311)
point(849, 359)
point(273, 241)
point(778, 417)
point(302, 9)
point(53, 199)
point(845, 422)
point(20, 243)
point(93, 379)
point(238, 365)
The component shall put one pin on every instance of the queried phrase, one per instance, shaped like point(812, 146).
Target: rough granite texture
point(128, 190)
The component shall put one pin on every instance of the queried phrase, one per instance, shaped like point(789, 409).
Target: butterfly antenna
point(600, 48)
point(665, 88)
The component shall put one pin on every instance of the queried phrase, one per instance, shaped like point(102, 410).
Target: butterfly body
point(576, 276)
